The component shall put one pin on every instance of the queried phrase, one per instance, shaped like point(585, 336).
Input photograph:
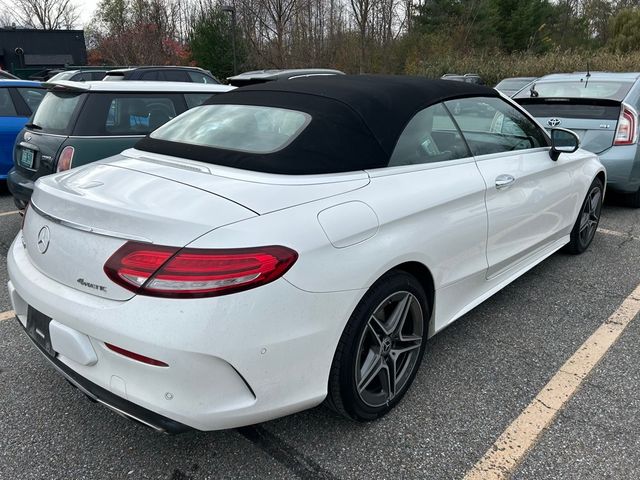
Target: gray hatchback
point(602, 108)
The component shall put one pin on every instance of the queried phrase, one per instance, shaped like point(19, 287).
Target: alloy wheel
point(590, 215)
point(388, 349)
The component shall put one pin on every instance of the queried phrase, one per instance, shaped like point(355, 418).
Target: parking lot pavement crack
point(544, 404)
point(299, 464)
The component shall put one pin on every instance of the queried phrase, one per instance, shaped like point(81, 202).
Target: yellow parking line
point(501, 460)
point(615, 233)
point(2, 214)
point(7, 315)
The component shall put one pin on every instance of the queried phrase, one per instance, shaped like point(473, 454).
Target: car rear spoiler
point(605, 102)
point(66, 85)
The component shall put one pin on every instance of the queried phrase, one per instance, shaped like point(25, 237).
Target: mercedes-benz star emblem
point(44, 237)
point(553, 122)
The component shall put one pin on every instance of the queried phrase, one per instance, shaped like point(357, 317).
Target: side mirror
point(563, 141)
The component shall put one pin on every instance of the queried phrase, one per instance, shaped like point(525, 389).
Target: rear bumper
point(118, 404)
point(233, 360)
point(20, 187)
point(623, 168)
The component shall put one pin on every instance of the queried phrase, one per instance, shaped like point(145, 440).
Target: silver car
point(602, 108)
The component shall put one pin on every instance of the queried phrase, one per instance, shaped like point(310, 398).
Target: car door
point(433, 193)
point(12, 119)
point(530, 200)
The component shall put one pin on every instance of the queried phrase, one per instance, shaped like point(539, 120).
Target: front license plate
point(26, 158)
point(38, 329)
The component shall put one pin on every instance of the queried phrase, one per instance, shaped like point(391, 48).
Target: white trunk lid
point(79, 219)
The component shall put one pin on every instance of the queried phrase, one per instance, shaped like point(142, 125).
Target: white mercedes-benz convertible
point(292, 243)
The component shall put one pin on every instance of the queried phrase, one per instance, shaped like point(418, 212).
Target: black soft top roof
point(356, 121)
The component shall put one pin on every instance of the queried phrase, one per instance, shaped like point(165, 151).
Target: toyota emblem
point(554, 122)
point(44, 237)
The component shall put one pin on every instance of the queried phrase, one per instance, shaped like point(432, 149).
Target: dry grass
point(495, 66)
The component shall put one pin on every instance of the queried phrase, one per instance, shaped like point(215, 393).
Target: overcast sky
point(86, 7)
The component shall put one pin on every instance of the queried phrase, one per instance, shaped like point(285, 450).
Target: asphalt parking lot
point(477, 377)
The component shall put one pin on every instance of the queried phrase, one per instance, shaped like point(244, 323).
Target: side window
point(175, 76)
point(430, 136)
point(196, 99)
point(153, 75)
point(137, 115)
point(491, 125)
point(7, 109)
point(197, 77)
point(32, 96)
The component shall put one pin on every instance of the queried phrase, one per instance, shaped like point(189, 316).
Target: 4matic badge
point(84, 283)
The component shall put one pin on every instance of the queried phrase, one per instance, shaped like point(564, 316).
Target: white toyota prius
point(292, 243)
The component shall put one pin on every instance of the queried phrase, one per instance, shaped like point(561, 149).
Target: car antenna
point(533, 92)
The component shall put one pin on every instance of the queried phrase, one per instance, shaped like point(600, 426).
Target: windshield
point(56, 111)
point(62, 76)
point(579, 89)
point(514, 84)
point(244, 128)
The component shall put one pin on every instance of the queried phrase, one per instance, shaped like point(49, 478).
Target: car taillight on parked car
point(191, 273)
point(65, 159)
point(626, 133)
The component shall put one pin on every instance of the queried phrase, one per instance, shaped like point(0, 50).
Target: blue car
point(602, 108)
point(18, 100)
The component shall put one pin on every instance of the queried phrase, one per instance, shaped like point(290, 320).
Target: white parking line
point(7, 315)
point(14, 212)
point(508, 451)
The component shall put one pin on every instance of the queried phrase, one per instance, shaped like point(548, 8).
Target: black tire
point(384, 299)
point(588, 219)
point(633, 199)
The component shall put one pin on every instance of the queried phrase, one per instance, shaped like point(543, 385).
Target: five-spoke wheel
point(381, 348)
point(587, 223)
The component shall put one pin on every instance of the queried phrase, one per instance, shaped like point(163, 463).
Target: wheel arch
point(421, 273)
point(603, 178)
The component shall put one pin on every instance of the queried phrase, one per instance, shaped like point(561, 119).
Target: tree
point(211, 43)
point(625, 31)
point(137, 32)
point(44, 14)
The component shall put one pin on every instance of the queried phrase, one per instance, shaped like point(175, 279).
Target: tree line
point(384, 36)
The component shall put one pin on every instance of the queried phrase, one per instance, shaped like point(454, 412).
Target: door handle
point(504, 181)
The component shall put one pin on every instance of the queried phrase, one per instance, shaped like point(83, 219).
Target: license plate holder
point(38, 329)
point(26, 158)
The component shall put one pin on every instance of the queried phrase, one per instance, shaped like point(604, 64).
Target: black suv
point(159, 73)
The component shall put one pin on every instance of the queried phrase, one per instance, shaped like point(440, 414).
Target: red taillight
point(136, 356)
point(190, 272)
point(65, 159)
point(626, 133)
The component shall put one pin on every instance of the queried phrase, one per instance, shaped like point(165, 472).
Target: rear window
point(126, 114)
point(580, 89)
point(512, 84)
point(197, 99)
point(56, 112)
point(573, 110)
point(242, 128)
